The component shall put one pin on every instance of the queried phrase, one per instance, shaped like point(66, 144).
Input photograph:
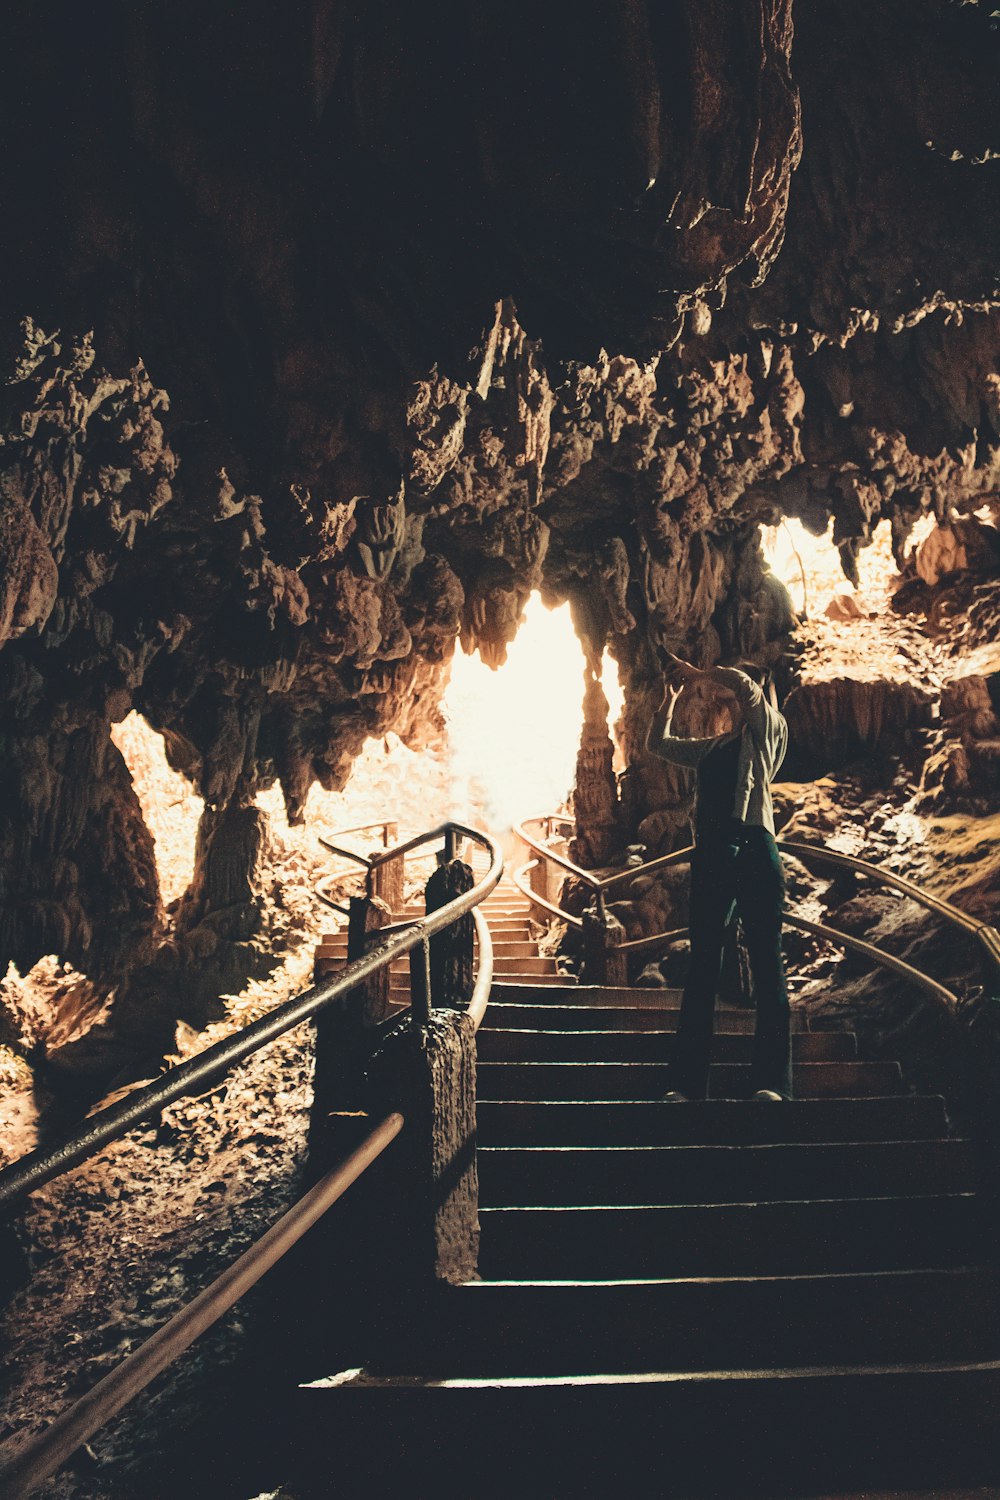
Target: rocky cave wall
point(315, 383)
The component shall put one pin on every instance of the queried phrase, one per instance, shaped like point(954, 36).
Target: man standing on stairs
point(735, 864)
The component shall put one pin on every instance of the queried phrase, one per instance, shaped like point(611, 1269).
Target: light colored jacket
point(762, 748)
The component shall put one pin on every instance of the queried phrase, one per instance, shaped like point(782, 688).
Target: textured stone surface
point(580, 331)
point(429, 1073)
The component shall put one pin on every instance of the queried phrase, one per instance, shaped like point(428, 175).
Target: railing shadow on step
point(24, 1467)
point(608, 954)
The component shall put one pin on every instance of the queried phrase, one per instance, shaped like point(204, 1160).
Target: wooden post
point(603, 959)
point(343, 1031)
point(387, 884)
point(429, 1225)
point(451, 951)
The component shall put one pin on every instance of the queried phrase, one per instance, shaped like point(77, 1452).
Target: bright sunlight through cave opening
point(514, 733)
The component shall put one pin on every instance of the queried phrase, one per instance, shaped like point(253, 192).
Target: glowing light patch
point(171, 810)
point(514, 733)
point(809, 566)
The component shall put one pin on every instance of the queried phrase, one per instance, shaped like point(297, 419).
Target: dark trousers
point(738, 867)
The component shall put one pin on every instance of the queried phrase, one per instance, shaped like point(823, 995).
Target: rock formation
point(439, 307)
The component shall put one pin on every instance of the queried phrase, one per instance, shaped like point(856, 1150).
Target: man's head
point(762, 676)
point(707, 708)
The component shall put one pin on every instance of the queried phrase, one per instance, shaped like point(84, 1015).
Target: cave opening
point(513, 733)
point(344, 438)
point(171, 808)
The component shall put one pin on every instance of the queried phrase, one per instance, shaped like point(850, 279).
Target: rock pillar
point(604, 962)
point(595, 794)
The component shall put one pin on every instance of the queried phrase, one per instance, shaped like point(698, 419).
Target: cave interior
point(336, 341)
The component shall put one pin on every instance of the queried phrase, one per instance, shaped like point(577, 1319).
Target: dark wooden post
point(387, 878)
point(342, 1034)
point(451, 951)
point(430, 1207)
point(604, 962)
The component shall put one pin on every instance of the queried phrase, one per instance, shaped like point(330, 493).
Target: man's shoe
point(771, 1095)
point(675, 1097)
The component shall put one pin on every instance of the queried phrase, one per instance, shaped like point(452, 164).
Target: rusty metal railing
point(34, 1460)
point(985, 934)
point(389, 831)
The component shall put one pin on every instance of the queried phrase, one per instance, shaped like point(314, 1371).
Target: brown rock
point(956, 547)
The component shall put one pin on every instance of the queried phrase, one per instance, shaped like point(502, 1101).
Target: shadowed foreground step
point(714, 1122)
point(713, 1239)
point(523, 1045)
point(507, 1328)
point(566, 1175)
point(724, 1432)
point(649, 1080)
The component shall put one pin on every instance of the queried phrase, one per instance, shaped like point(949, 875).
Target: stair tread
point(665, 1377)
point(901, 1275)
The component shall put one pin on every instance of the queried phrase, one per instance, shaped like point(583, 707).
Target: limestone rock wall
point(439, 307)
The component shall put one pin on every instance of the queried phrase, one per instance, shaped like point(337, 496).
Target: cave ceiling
point(330, 332)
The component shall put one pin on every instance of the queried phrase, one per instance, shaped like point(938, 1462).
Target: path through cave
point(332, 343)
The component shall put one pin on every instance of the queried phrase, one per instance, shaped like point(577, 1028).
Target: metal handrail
point(598, 883)
point(479, 998)
point(359, 859)
point(194, 1076)
point(42, 1455)
point(987, 935)
point(519, 878)
point(384, 824)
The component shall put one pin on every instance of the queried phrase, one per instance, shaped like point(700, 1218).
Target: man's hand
point(679, 670)
point(671, 693)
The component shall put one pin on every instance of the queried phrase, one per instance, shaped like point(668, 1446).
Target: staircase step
point(504, 947)
point(715, 1122)
point(512, 1045)
point(782, 1238)
point(517, 1176)
point(568, 992)
point(544, 1015)
point(627, 1081)
point(515, 964)
point(746, 1433)
point(523, 982)
point(532, 1328)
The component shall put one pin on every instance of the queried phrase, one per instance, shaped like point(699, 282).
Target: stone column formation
point(308, 380)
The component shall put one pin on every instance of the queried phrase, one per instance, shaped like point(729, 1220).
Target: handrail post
point(451, 951)
point(385, 881)
point(420, 982)
point(342, 1032)
point(604, 962)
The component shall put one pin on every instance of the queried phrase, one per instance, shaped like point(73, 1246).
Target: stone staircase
point(516, 959)
point(731, 1298)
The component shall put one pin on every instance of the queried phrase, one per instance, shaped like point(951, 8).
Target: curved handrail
point(951, 913)
point(42, 1455)
point(479, 998)
point(519, 878)
point(42, 1165)
point(39, 1457)
point(598, 883)
point(987, 935)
